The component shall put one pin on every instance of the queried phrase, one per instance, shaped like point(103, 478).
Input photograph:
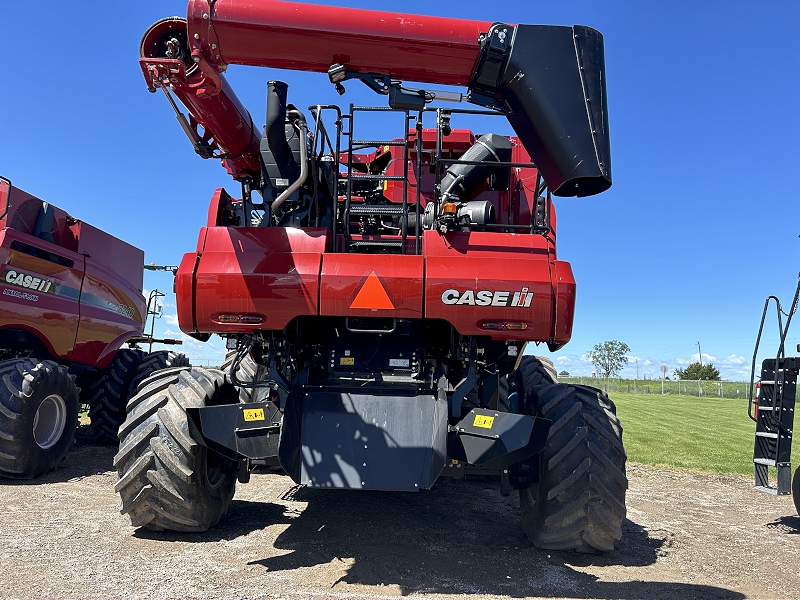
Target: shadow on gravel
point(242, 518)
point(82, 460)
point(461, 537)
point(789, 525)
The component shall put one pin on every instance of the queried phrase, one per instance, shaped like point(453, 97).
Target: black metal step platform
point(774, 416)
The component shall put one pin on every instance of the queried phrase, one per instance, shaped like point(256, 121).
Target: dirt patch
point(687, 535)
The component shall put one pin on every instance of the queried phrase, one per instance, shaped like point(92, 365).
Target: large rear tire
point(109, 394)
point(796, 490)
point(167, 481)
point(579, 500)
point(156, 361)
point(38, 416)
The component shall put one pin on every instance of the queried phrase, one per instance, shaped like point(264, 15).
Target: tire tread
point(579, 502)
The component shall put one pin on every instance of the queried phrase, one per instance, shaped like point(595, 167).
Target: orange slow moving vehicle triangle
point(372, 295)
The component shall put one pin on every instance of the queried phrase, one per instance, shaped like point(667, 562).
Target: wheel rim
point(214, 473)
point(49, 421)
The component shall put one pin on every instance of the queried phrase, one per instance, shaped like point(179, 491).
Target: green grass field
point(705, 434)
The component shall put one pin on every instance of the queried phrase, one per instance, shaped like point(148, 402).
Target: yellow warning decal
point(253, 414)
point(483, 421)
point(347, 360)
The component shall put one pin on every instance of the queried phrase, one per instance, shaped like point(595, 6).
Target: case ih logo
point(523, 298)
point(28, 281)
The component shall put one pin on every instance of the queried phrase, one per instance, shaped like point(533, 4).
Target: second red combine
point(377, 287)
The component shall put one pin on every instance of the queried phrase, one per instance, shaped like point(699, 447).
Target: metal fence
point(682, 387)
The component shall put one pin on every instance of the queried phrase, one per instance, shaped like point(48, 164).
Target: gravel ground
point(688, 535)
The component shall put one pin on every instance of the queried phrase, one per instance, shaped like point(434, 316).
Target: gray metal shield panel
point(376, 442)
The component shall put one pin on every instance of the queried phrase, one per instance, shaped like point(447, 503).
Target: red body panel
point(52, 317)
point(83, 298)
point(123, 261)
point(565, 301)
point(110, 314)
point(309, 37)
point(281, 273)
point(489, 262)
point(268, 272)
point(345, 284)
point(184, 288)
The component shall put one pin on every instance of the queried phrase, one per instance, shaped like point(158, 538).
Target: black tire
point(156, 361)
point(248, 370)
point(579, 501)
point(796, 490)
point(38, 416)
point(533, 373)
point(109, 394)
point(503, 404)
point(167, 481)
point(549, 368)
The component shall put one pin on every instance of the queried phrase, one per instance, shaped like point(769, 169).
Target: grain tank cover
point(553, 80)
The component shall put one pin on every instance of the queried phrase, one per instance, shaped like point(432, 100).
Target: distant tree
point(697, 371)
point(609, 357)
point(564, 374)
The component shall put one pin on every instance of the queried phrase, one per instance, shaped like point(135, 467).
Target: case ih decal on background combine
point(382, 269)
point(71, 297)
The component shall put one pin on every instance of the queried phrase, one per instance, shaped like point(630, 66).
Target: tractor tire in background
point(38, 416)
point(579, 501)
point(532, 373)
point(796, 490)
point(248, 371)
point(167, 481)
point(109, 393)
point(156, 361)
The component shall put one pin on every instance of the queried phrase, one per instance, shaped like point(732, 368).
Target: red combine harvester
point(377, 289)
point(71, 297)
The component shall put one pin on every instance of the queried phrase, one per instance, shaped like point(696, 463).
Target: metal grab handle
point(381, 331)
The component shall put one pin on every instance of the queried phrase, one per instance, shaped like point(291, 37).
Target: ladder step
point(376, 209)
point(766, 490)
point(377, 177)
point(765, 461)
point(766, 434)
point(768, 382)
point(377, 143)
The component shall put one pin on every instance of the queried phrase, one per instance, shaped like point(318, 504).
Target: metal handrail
point(783, 331)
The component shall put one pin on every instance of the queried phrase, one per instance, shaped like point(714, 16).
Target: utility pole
point(637, 368)
point(700, 354)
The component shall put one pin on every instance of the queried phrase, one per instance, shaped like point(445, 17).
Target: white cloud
point(734, 359)
point(171, 319)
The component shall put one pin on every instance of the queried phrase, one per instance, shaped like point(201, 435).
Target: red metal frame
point(409, 47)
point(278, 274)
point(427, 49)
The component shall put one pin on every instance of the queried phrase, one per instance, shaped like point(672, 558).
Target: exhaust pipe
point(275, 131)
point(281, 147)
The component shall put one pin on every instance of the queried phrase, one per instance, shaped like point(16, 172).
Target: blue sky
point(700, 225)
